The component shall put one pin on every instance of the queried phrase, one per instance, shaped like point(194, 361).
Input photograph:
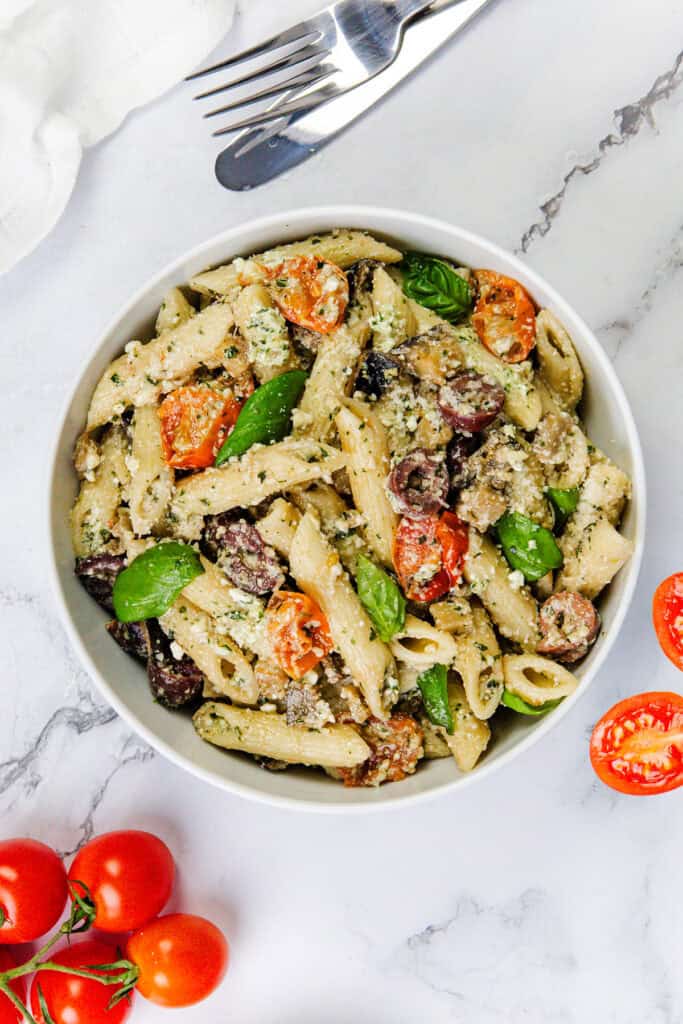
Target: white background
point(538, 896)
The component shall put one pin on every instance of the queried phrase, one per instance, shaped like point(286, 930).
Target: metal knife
point(260, 154)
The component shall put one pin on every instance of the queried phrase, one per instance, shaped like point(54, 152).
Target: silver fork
point(338, 49)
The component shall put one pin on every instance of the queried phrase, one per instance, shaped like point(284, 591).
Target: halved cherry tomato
point(182, 958)
point(195, 421)
point(299, 632)
point(310, 292)
point(667, 615)
point(504, 317)
point(9, 1014)
point(428, 555)
point(637, 747)
point(33, 889)
point(73, 1000)
point(129, 876)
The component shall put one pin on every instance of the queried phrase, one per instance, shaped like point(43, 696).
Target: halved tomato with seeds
point(310, 292)
point(637, 747)
point(298, 631)
point(504, 316)
point(195, 421)
point(428, 555)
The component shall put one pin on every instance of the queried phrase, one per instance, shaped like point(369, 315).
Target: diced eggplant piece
point(97, 574)
point(132, 637)
point(376, 374)
point(174, 682)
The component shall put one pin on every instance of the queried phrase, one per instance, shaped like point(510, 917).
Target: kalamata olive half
point(469, 401)
point(97, 574)
point(419, 484)
point(173, 681)
point(132, 637)
point(240, 551)
point(459, 450)
point(376, 373)
point(569, 624)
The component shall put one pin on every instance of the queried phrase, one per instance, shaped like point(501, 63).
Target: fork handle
point(409, 8)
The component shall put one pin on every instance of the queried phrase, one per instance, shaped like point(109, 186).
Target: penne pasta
point(512, 608)
point(536, 679)
point(151, 479)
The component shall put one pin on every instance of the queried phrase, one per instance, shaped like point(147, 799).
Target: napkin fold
point(70, 71)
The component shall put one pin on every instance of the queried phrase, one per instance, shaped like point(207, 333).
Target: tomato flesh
point(428, 555)
point(182, 958)
point(299, 632)
point(195, 421)
point(637, 747)
point(128, 874)
point(74, 1000)
point(33, 889)
point(504, 317)
point(310, 292)
point(667, 615)
point(9, 1014)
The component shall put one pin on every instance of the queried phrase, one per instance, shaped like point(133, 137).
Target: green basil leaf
point(527, 546)
point(153, 580)
point(564, 503)
point(266, 415)
point(381, 597)
point(515, 703)
point(434, 688)
point(434, 284)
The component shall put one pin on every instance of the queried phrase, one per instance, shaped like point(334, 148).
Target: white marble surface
point(539, 896)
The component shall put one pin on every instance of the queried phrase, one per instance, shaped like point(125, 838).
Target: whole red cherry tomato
point(9, 1014)
point(33, 889)
point(73, 1000)
point(129, 876)
point(182, 959)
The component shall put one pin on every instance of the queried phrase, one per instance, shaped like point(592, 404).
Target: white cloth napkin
point(70, 71)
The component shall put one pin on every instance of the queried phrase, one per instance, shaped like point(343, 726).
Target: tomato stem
point(14, 998)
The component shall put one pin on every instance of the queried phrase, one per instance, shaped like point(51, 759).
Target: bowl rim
point(354, 215)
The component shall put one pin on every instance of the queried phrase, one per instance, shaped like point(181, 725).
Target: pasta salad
point(343, 508)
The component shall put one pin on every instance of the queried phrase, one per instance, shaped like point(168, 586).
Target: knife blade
point(258, 155)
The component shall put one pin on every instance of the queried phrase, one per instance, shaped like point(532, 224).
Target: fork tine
point(293, 62)
point(306, 78)
point(296, 34)
point(281, 110)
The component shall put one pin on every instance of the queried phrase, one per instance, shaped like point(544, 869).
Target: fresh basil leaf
point(153, 580)
point(266, 415)
point(434, 284)
point(527, 546)
point(515, 703)
point(434, 688)
point(564, 503)
point(381, 597)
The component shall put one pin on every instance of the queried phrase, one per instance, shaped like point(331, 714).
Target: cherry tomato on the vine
point(73, 1000)
point(182, 959)
point(9, 1014)
point(129, 876)
point(33, 889)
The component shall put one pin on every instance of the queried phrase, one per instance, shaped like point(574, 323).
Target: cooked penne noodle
point(536, 679)
point(268, 735)
point(341, 247)
point(316, 568)
point(93, 516)
point(278, 526)
point(422, 645)
point(151, 479)
point(513, 609)
point(363, 441)
point(478, 660)
point(174, 310)
point(264, 329)
point(558, 363)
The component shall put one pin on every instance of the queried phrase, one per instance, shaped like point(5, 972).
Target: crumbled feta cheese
point(516, 579)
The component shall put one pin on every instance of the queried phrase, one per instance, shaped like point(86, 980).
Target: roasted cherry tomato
point(667, 614)
point(129, 875)
point(637, 747)
point(504, 317)
point(195, 421)
point(73, 1000)
point(33, 889)
point(310, 292)
point(182, 959)
point(9, 1014)
point(299, 632)
point(428, 555)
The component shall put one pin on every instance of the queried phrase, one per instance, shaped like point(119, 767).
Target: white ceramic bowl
point(124, 684)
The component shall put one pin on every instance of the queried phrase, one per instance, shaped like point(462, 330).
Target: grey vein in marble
point(629, 120)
